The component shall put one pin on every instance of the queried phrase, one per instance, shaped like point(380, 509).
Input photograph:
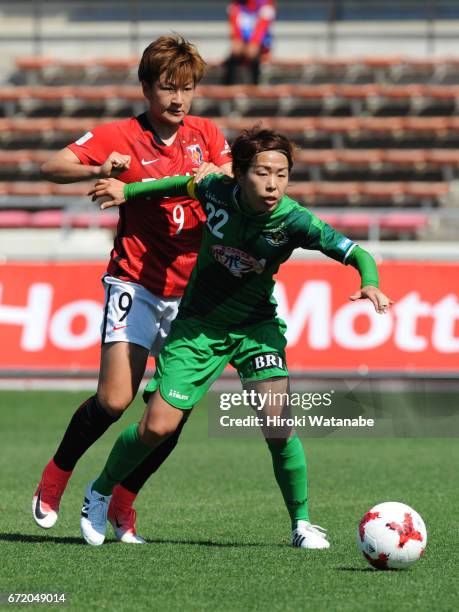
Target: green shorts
point(195, 355)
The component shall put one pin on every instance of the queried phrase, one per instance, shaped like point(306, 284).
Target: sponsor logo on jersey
point(195, 154)
point(267, 360)
point(276, 236)
point(174, 393)
point(236, 261)
point(84, 138)
point(212, 198)
point(147, 162)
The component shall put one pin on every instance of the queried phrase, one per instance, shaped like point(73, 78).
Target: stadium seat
point(414, 158)
point(359, 158)
point(356, 222)
point(10, 98)
point(29, 188)
point(382, 191)
point(94, 219)
point(435, 126)
point(71, 189)
point(426, 191)
point(14, 219)
point(404, 222)
point(47, 219)
point(28, 130)
point(316, 157)
point(442, 156)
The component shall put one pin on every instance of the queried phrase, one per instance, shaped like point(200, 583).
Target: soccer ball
point(391, 536)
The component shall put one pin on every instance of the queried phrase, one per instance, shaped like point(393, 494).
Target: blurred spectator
point(250, 23)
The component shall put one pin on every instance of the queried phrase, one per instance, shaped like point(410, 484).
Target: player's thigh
point(191, 360)
point(135, 315)
point(261, 352)
point(261, 365)
point(133, 320)
point(122, 366)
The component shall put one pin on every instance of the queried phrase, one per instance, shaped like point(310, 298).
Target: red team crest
point(195, 154)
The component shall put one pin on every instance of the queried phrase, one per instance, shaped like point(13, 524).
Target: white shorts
point(134, 314)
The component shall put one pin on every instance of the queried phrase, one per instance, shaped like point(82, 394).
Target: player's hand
point(380, 301)
point(115, 164)
point(204, 169)
point(110, 190)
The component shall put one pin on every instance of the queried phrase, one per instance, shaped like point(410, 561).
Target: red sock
point(123, 497)
point(55, 473)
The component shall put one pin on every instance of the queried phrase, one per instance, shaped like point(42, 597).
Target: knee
point(112, 404)
point(161, 428)
point(153, 431)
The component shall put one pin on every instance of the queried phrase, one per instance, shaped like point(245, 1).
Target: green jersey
point(232, 282)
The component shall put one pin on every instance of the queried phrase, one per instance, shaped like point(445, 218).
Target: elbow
point(49, 172)
point(46, 171)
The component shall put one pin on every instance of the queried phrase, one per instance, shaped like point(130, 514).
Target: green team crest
point(276, 236)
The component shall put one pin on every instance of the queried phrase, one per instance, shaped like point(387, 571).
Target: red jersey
point(157, 240)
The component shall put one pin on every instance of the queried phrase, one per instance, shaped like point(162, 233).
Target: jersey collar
point(147, 127)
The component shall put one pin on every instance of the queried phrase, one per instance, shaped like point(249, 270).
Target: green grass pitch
point(217, 529)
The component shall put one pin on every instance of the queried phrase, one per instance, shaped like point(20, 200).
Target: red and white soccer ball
point(391, 536)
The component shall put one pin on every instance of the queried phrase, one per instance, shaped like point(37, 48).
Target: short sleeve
point(95, 145)
point(314, 234)
point(219, 149)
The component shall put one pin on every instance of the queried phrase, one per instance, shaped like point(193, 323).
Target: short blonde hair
point(174, 56)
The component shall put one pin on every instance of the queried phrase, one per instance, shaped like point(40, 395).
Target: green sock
point(289, 465)
point(127, 452)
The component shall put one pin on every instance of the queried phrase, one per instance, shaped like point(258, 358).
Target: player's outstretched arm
point(379, 300)
point(117, 193)
point(111, 190)
point(366, 266)
point(65, 167)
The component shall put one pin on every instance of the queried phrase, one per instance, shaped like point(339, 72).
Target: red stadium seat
point(382, 125)
point(10, 99)
point(301, 191)
point(381, 190)
point(355, 222)
point(71, 128)
point(14, 219)
point(442, 157)
point(381, 61)
point(316, 157)
point(14, 158)
point(38, 127)
point(47, 219)
point(94, 219)
point(426, 190)
point(338, 124)
point(402, 222)
point(333, 219)
point(428, 125)
point(359, 157)
point(71, 189)
point(29, 188)
point(348, 191)
point(117, 63)
point(33, 63)
point(405, 157)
